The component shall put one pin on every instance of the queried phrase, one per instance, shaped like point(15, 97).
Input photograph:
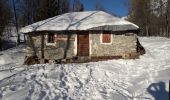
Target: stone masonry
point(52, 51)
point(121, 45)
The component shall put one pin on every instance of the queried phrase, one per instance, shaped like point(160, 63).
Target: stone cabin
point(88, 34)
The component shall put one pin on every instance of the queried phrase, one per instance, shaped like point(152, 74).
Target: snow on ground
point(140, 79)
point(12, 57)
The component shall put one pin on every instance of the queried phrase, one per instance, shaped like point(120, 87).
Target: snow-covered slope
point(139, 79)
point(76, 21)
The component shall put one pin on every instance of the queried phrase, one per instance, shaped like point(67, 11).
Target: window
point(51, 38)
point(106, 37)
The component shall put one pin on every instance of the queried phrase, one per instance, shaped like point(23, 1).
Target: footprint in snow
point(13, 88)
point(31, 91)
point(62, 84)
point(42, 95)
point(33, 77)
point(27, 98)
point(24, 80)
point(80, 83)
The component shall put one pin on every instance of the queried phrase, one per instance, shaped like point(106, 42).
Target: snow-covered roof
point(78, 21)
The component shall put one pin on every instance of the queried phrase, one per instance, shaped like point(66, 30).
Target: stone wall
point(33, 41)
point(121, 45)
point(54, 51)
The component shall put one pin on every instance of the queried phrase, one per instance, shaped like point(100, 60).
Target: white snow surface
point(103, 80)
point(12, 57)
point(76, 21)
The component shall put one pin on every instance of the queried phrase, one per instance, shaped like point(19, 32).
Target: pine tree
point(51, 8)
point(5, 15)
point(48, 8)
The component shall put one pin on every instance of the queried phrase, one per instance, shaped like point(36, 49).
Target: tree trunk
point(16, 21)
point(42, 48)
point(168, 31)
point(32, 45)
point(147, 31)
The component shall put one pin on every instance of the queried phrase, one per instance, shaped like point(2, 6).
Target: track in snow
point(109, 80)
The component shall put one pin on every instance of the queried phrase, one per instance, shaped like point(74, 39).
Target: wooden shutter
point(106, 37)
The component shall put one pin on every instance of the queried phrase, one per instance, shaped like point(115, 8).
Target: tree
point(16, 20)
point(31, 11)
point(65, 7)
point(152, 16)
point(51, 8)
point(5, 15)
point(77, 6)
point(162, 18)
point(98, 6)
point(28, 11)
point(82, 7)
point(48, 8)
point(140, 15)
point(168, 18)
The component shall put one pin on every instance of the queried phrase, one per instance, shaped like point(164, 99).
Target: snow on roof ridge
point(130, 23)
point(76, 21)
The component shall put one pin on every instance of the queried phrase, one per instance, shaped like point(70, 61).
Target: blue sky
point(118, 7)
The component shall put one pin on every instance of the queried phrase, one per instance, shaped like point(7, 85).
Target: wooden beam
point(32, 45)
point(42, 48)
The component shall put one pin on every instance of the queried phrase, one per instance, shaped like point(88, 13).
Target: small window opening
point(106, 37)
point(51, 38)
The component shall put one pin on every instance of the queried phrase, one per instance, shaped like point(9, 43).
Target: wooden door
point(83, 44)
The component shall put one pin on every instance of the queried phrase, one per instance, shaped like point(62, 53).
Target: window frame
point(47, 39)
point(51, 40)
point(101, 38)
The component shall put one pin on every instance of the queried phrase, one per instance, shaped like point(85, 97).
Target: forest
point(152, 16)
